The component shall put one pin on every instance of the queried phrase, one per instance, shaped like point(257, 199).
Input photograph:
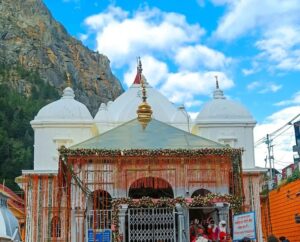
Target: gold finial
point(217, 82)
point(144, 111)
point(69, 83)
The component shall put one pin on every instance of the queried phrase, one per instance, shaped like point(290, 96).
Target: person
point(283, 239)
point(194, 230)
point(201, 237)
point(223, 236)
point(212, 230)
point(272, 238)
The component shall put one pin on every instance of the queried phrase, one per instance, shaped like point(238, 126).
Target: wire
point(274, 133)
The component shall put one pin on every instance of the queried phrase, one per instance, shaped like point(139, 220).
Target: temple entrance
point(147, 224)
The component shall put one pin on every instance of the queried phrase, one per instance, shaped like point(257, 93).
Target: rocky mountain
point(32, 38)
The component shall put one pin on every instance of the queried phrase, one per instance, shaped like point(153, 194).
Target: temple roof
point(157, 135)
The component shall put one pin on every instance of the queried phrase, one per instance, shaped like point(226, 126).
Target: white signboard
point(244, 226)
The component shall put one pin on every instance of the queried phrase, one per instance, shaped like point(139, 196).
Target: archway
point(99, 214)
point(101, 199)
point(200, 192)
point(153, 187)
point(201, 213)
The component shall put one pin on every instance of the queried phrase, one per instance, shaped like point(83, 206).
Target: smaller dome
point(181, 116)
point(9, 226)
point(64, 109)
point(221, 110)
point(102, 114)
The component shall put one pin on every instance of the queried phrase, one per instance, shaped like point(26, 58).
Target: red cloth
point(192, 233)
point(223, 236)
point(213, 233)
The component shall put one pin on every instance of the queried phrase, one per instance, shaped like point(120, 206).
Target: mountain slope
point(29, 36)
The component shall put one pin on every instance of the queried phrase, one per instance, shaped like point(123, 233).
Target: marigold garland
point(144, 152)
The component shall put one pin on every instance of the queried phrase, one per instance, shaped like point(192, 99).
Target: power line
point(274, 134)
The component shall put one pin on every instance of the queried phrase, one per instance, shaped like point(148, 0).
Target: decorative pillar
point(122, 220)
point(182, 221)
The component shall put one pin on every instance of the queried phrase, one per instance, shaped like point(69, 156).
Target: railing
point(99, 219)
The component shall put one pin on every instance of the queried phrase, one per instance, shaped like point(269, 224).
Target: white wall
point(48, 138)
point(236, 135)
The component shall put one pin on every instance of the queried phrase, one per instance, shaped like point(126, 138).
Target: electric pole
point(268, 142)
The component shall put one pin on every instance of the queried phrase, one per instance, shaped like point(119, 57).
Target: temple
point(140, 170)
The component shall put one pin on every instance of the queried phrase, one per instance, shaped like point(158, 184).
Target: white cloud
point(264, 87)
point(193, 115)
point(122, 36)
point(159, 38)
point(183, 87)
point(193, 57)
point(294, 101)
point(254, 68)
point(281, 47)
point(270, 88)
point(247, 15)
point(273, 23)
point(83, 37)
point(253, 85)
point(154, 70)
point(283, 143)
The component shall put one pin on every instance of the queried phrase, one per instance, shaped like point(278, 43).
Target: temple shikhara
point(140, 170)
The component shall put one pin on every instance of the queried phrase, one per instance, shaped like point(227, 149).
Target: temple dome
point(222, 110)
point(124, 108)
point(102, 114)
point(66, 109)
point(9, 226)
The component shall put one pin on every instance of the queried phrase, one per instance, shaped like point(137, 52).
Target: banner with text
point(244, 226)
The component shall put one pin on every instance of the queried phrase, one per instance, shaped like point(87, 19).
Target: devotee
point(194, 229)
point(212, 230)
point(201, 236)
point(223, 236)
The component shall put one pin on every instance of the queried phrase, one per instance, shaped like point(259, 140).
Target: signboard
point(244, 226)
point(103, 235)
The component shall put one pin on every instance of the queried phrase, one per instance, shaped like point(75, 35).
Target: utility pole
point(268, 142)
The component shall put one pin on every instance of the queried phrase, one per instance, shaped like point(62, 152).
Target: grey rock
point(30, 36)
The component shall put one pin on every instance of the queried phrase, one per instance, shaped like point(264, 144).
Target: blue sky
point(253, 46)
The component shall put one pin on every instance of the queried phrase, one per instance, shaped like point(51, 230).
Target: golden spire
point(144, 111)
point(68, 82)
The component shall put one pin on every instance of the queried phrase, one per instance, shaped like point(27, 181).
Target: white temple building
point(68, 122)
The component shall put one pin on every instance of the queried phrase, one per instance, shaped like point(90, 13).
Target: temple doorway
point(151, 224)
